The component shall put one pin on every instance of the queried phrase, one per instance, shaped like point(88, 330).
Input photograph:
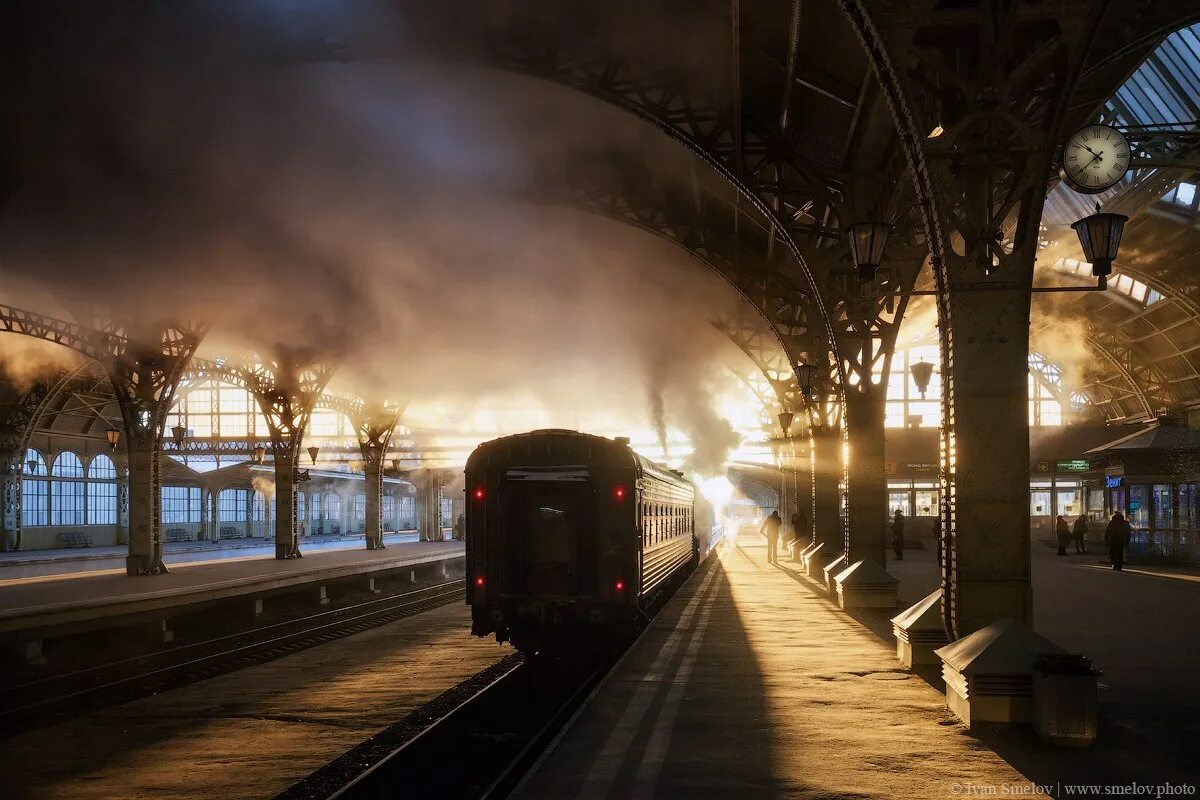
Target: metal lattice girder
point(981, 95)
point(1164, 146)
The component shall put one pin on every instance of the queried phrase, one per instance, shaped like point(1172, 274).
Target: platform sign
point(1114, 481)
point(1042, 466)
point(1073, 465)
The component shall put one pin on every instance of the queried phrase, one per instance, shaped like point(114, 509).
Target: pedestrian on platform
point(460, 528)
point(770, 528)
point(1079, 532)
point(898, 535)
point(1116, 537)
point(1062, 532)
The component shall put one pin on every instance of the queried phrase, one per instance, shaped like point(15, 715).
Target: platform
point(726, 696)
point(751, 684)
point(53, 601)
point(33, 563)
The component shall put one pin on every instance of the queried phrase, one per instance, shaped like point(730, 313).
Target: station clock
point(1095, 158)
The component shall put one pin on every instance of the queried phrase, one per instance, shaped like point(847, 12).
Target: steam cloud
point(378, 212)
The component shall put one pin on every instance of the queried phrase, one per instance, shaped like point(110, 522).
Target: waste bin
point(1064, 698)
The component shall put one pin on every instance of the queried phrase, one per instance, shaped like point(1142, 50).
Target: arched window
point(258, 507)
point(101, 468)
point(67, 496)
point(389, 512)
point(102, 492)
point(360, 512)
point(35, 494)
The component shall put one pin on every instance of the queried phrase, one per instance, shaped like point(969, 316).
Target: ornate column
point(10, 519)
point(825, 459)
point(145, 364)
point(375, 427)
point(867, 537)
point(287, 386)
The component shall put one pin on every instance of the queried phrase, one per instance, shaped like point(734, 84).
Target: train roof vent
point(622, 440)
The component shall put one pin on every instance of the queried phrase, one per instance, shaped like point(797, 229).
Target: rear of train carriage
point(569, 535)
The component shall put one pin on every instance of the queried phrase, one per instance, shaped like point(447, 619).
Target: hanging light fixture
point(867, 243)
point(179, 433)
point(260, 454)
point(806, 374)
point(114, 438)
point(921, 372)
point(312, 453)
point(785, 422)
point(396, 464)
point(33, 465)
point(1100, 237)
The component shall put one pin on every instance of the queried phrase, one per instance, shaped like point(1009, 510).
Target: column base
point(865, 584)
point(989, 674)
point(919, 630)
point(143, 565)
point(831, 570)
point(814, 562)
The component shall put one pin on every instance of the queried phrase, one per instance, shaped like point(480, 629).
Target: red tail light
point(620, 586)
point(479, 493)
point(479, 581)
point(619, 492)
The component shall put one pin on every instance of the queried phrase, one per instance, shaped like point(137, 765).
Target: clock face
point(1095, 158)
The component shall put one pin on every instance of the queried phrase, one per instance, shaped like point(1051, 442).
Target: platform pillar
point(145, 522)
point(374, 427)
point(10, 515)
point(826, 471)
point(429, 506)
point(866, 537)
point(989, 555)
point(287, 542)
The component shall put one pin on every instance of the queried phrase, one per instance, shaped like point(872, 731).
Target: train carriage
point(568, 533)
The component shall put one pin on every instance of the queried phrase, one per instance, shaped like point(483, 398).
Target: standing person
point(898, 535)
point(1063, 532)
point(770, 528)
point(1116, 536)
point(1079, 532)
point(460, 528)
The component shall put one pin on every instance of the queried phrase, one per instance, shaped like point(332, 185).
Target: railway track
point(495, 726)
point(58, 697)
point(495, 736)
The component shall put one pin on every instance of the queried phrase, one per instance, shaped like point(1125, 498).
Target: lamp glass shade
point(867, 243)
point(260, 454)
point(312, 453)
point(806, 373)
point(114, 438)
point(179, 433)
point(396, 464)
point(33, 466)
point(1100, 238)
point(785, 421)
point(921, 372)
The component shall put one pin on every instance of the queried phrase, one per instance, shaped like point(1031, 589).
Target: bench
point(75, 539)
point(178, 535)
point(335, 529)
point(233, 532)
